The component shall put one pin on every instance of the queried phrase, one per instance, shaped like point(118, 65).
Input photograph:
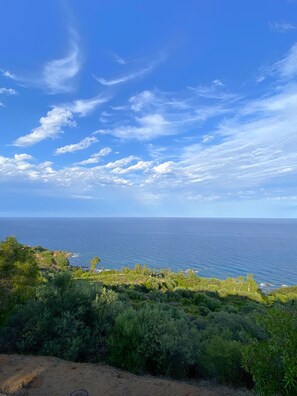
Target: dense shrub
point(273, 361)
point(18, 275)
point(66, 319)
point(155, 338)
point(222, 360)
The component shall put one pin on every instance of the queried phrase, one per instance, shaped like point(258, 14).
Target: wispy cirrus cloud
point(118, 59)
point(287, 67)
point(154, 114)
point(56, 75)
point(282, 26)
point(249, 152)
point(148, 127)
point(82, 145)
point(133, 75)
point(123, 79)
point(284, 69)
point(50, 127)
point(215, 90)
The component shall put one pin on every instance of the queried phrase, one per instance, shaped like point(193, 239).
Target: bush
point(222, 360)
point(273, 361)
point(18, 275)
point(155, 339)
point(67, 319)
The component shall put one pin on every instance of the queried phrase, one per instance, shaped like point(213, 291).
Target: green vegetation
point(48, 259)
point(18, 275)
point(94, 262)
point(148, 321)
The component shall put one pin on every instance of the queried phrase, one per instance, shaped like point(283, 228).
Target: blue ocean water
point(219, 248)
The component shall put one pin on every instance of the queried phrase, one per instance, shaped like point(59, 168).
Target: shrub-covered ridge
point(148, 321)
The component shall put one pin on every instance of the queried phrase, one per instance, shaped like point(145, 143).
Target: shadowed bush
point(273, 361)
point(66, 319)
point(154, 338)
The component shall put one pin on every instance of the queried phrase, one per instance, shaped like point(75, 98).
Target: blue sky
point(148, 108)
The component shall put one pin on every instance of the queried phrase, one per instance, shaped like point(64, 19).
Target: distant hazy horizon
point(219, 248)
point(145, 217)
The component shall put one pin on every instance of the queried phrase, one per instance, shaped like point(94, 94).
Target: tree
point(18, 274)
point(94, 262)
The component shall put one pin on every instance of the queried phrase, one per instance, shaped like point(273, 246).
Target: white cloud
point(119, 59)
point(85, 106)
point(50, 127)
point(138, 102)
point(207, 138)
point(287, 67)
point(7, 91)
point(216, 90)
point(121, 162)
point(101, 132)
point(218, 83)
point(139, 166)
point(18, 166)
point(131, 76)
point(82, 197)
point(166, 113)
point(95, 158)
point(59, 116)
point(148, 127)
point(254, 148)
point(58, 73)
point(251, 152)
point(123, 79)
point(8, 74)
point(282, 26)
point(82, 145)
point(23, 157)
point(73, 179)
point(165, 168)
point(284, 69)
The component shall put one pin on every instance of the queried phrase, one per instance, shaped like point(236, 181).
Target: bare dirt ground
point(48, 376)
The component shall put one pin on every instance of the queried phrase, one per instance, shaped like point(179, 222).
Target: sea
point(221, 248)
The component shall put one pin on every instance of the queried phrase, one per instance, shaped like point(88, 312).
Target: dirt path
point(48, 376)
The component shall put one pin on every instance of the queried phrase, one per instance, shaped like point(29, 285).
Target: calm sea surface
point(213, 247)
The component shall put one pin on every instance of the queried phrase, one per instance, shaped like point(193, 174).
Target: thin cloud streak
point(282, 26)
point(119, 59)
point(71, 148)
point(123, 79)
point(131, 76)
